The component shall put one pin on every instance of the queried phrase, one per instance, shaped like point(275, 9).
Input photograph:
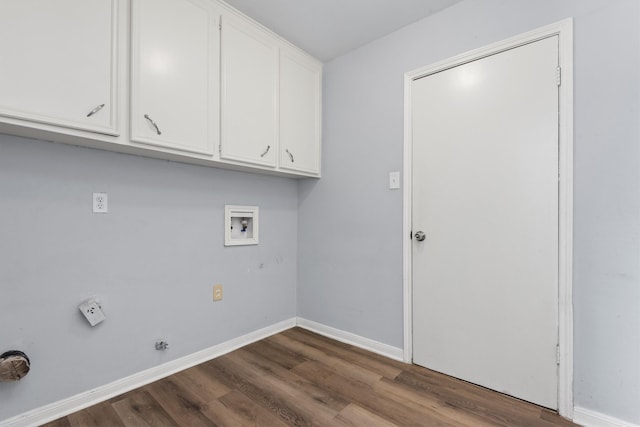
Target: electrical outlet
point(100, 203)
point(92, 311)
point(217, 292)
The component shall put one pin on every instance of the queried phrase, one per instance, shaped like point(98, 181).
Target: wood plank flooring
point(298, 378)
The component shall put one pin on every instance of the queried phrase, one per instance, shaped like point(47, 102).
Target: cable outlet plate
point(92, 311)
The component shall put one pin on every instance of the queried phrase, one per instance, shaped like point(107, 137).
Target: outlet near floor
point(217, 292)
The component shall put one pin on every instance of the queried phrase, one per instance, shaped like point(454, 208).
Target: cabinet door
point(58, 62)
point(300, 81)
point(249, 88)
point(174, 74)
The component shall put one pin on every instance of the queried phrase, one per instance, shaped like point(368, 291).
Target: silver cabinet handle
point(290, 155)
point(420, 236)
point(265, 151)
point(95, 110)
point(146, 116)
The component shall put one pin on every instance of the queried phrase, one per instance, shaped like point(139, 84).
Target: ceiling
point(329, 28)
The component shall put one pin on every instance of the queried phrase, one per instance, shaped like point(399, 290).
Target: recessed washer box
point(240, 225)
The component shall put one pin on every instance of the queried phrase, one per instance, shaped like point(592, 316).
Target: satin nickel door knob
point(420, 236)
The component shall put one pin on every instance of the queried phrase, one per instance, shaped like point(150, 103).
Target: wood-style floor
point(298, 378)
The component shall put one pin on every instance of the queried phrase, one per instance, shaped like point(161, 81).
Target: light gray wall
point(350, 224)
point(152, 261)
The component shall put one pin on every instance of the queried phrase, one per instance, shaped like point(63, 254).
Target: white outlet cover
point(100, 203)
point(92, 311)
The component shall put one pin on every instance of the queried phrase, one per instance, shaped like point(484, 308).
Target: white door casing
point(563, 33)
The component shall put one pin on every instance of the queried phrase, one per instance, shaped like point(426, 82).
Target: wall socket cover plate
point(217, 293)
point(100, 203)
point(92, 311)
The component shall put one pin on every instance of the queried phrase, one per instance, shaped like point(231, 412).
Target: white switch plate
point(394, 180)
point(100, 203)
point(92, 311)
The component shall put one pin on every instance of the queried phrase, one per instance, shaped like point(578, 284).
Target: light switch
point(394, 180)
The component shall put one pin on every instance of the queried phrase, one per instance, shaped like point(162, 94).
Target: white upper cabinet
point(58, 63)
point(249, 58)
point(300, 82)
point(175, 74)
point(206, 84)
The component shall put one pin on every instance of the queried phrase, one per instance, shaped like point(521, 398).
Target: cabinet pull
point(95, 110)
point(290, 155)
point(265, 151)
point(146, 116)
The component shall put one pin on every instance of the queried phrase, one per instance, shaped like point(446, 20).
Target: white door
point(300, 79)
point(485, 194)
point(57, 62)
point(174, 75)
point(249, 88)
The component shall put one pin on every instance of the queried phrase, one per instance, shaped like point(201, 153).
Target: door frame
point(564, 30)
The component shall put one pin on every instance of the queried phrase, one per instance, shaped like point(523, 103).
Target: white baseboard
point(391, 352)
point(47, 413)
point(588, 418)
point(80, 401)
